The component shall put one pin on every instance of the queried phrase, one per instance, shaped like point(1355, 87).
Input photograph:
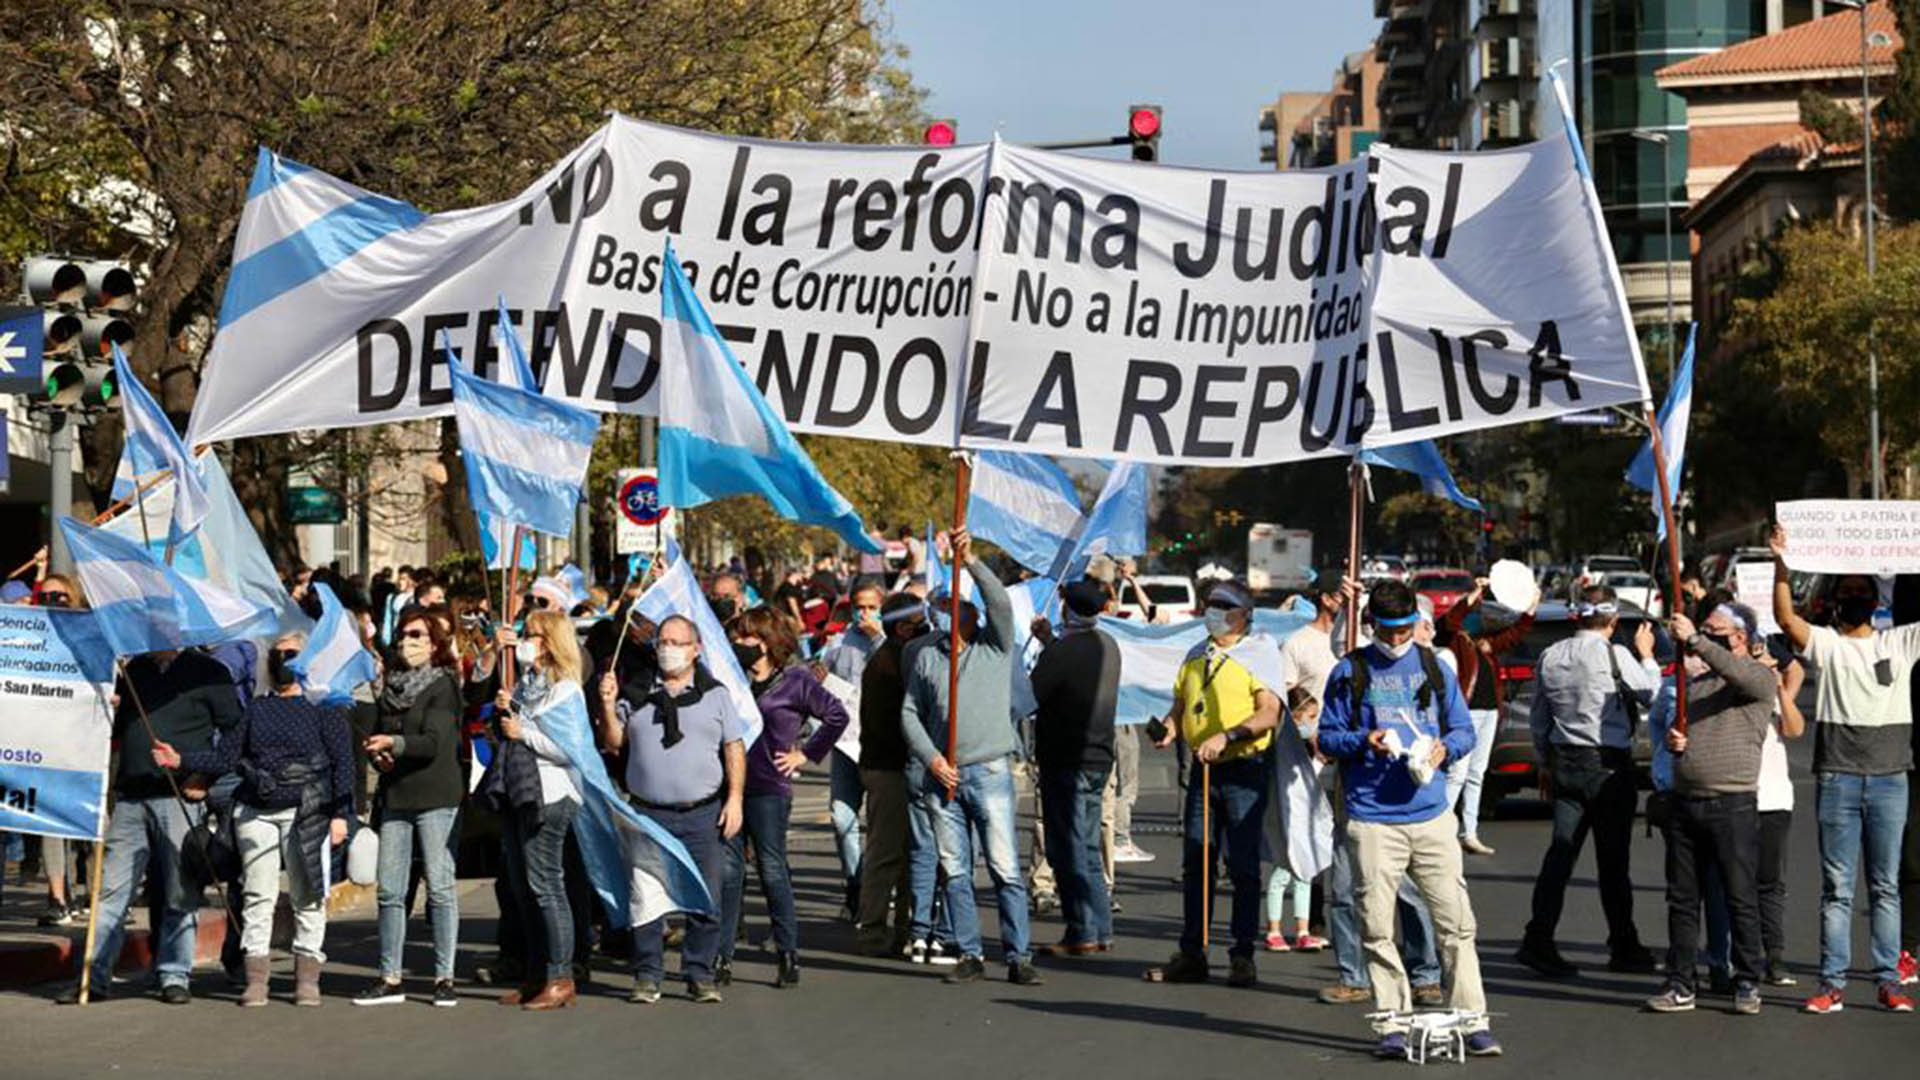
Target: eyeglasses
point(542, 603)
point(416, 635)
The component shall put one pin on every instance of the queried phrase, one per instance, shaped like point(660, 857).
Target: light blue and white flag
point(1150, 656)
point(1423, 460)
point(718, 435)
point(1675, 412)
point(143, 605)
point(640, 871)
point(677, 592)
point(1116, 526)
point(525, 455)
point(497, 536)
point(334, 663)
point(1026, 504)
point(152, 444)
point(575, 579)
point(225, 552)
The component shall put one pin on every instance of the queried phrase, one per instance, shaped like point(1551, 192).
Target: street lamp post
point(1866, 159)
point(1666, 204)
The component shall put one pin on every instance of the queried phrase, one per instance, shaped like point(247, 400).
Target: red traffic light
point(942, 133)
point(1144, 122)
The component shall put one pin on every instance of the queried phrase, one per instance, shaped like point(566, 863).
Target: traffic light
point(85, 304)
point(71, 384)
point(942, 132)
point(99, 333)
point(93, 284)
point(1143, 131)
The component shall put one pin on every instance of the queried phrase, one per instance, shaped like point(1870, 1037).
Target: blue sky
point(1048, 70)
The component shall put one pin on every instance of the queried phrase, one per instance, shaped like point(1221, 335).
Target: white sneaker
point(916, 952)
point(1132, 853)
point(938, 956)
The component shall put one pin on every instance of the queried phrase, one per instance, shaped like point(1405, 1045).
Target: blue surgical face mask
point(1219, 622)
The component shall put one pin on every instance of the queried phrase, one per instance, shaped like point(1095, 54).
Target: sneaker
point(1342, 994)
point(1482, 1044)
point(1828, 1000)
point(1746, 999)
point(1908, 968)
point(1472, 846)
point(722, 972)
point(384, 992)
point(969, 969)
point(644, 992)
point(704, 993)
point(1429, 996)
point(1545, 959)
point(1894, 999)
point(1181, 968)
point(1023, 973)
point(1672, 999)
point(1278, 943)
point(1241, 972)
point(917, 952)
point(1638, 960)
point(71, 995)
point(1777, 975)
point(940, 954)
point(56, 915)
point(1113, 905)
point(1309, 943)
point(1391, 1046)
point(443, 995)
point(1045, 903)
point(176, 994)
point(1131, 852)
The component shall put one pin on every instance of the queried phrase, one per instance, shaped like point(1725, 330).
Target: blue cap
point(15, 592)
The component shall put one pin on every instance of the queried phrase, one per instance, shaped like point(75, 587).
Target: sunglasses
point(416, 635)
point(542, 603)
point(53, 599)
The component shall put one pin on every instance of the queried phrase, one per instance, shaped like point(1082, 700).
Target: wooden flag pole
point(1673, 568)
point(1356, 508)
point(962, 483)
point(93, 917)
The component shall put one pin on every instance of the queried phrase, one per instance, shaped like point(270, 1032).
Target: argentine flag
point(718, 435)
point(497, 536)
point(526, 455)
point(1675, 412)
point(1116, 526)
point(152, 444)
point(1423, 460)
point(677, 592)
point(334, 662)
point(1026, 504)
point(142, 605)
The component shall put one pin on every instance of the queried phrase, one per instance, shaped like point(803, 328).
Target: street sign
point(641, 524)
point(314, 506)
point(21, 340)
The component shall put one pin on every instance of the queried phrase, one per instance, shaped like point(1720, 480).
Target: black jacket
point(187, 703)
point(883, 690)
point(1076, 685)
point(426, 772)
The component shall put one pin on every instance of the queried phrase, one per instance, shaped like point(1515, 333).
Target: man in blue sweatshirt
point(1394, 718)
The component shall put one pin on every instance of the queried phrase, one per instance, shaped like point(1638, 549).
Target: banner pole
point(962, 482)
point(505, 658)
point(1356, 507)
point(1673, 568)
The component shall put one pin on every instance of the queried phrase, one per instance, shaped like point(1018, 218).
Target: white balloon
point(1512, 585)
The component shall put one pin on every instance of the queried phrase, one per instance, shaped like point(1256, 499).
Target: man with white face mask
point(1393, 718)
point(1225, 708)
point(687, 770)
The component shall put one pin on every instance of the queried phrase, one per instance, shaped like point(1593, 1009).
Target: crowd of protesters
point(855, 668)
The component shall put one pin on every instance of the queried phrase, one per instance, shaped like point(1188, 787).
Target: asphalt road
point(855, 1018)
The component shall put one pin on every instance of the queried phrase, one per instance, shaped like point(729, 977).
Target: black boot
point(789, 970)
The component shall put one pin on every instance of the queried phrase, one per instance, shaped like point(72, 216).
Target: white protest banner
point(1753, 585)
point(55, 677)
point(1085, 307)
point(1851, 536)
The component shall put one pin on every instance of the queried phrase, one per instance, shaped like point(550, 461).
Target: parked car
point(1173, 597)
point(1445, 586)
point(1513, 768)
point(1637, 587)
point(1593, 568)
point(1382, 568)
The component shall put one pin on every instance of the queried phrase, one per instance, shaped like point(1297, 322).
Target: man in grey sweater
point(1714, 827)
point(971, 789)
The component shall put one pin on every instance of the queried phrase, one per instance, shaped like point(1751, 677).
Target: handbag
point(209, 853)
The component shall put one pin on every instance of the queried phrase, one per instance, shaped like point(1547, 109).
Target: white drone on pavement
point(1435, 1034)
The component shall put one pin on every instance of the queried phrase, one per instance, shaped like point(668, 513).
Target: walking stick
point(1206, 854)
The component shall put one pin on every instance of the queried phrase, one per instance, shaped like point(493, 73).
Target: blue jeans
point(143, 836)
point(766, 825)
point(1860, 816)
point(400, 830)
point(1070, 807)
point(536, 855)
point(1466, 777)
point(699, 830)
point(1237, 818)
point(930, 920)
point(983, 806)
point(844, 792)
point(1417, 950)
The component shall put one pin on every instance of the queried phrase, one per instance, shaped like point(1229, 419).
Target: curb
point(26, 961)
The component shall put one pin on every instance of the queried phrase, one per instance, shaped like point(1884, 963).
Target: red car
point(1445, 586)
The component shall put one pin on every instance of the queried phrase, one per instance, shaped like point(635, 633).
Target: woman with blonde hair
point(545, 696)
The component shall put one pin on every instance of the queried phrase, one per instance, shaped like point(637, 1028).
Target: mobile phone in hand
point(1157, 730)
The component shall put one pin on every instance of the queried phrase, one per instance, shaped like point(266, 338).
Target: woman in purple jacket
point(789, 697)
